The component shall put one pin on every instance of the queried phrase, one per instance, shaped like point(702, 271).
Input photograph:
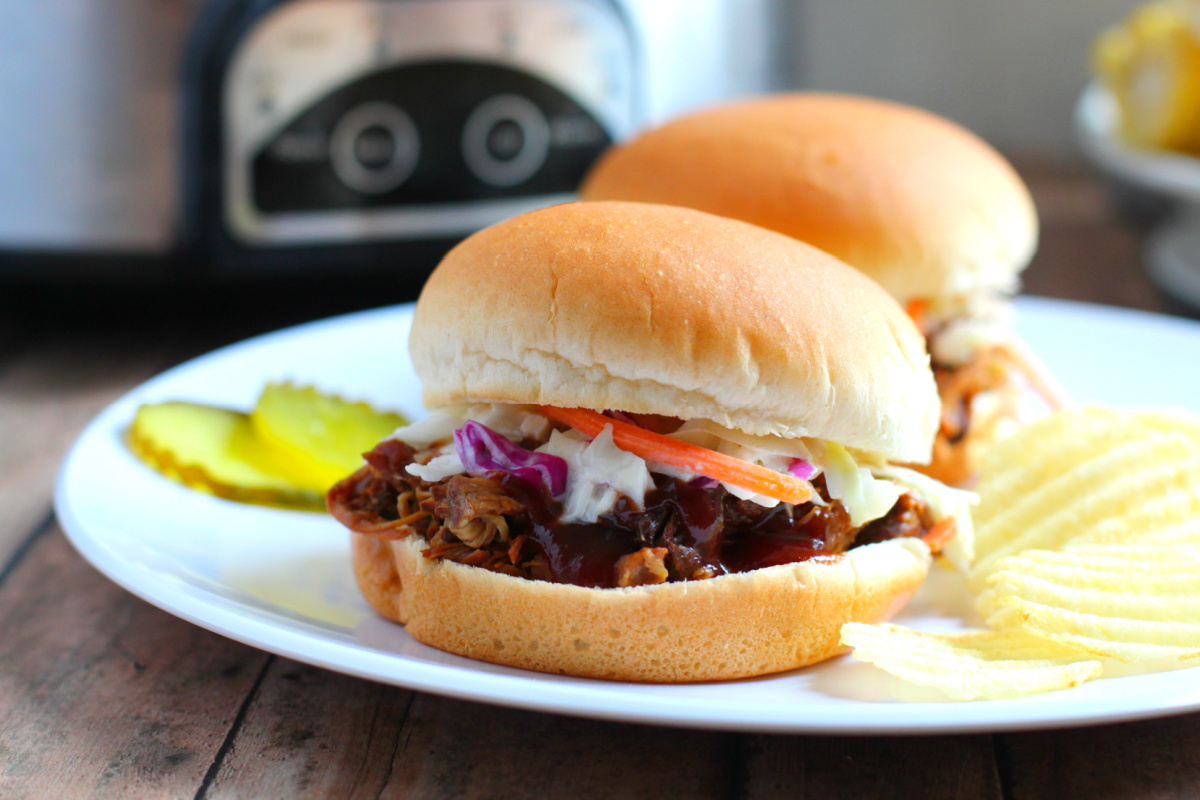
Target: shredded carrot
point(700, 460)
point(940, 534)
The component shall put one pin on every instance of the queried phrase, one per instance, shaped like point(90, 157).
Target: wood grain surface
point(102, 695)
point(49, 388)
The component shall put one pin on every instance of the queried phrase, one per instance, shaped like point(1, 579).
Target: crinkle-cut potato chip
point(1022, 462)
point(1126, 640)
point(1173, 516)
point(1120, 461)
point(1133, 596)
point(1175, 557)
point(1127, 602)
point(1048, 434)
point(1157, 552)
point(1182, 421)
point(1049, 446)
point(1087, 538)
point(1125, 468)
point(1184, 531)
point(975, 665)
point(1089, 475)
point(1075, 503)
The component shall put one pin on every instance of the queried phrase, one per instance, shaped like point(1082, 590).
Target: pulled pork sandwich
point(658, 449)
point(921, 205)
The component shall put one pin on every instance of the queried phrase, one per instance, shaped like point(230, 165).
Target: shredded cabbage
point(439, 467)
point(706, 434)
point(438, 425)
point(513, 422)
point(482, 450)
point(772, 452)
point(961, 339)
point(944, 501)
point(597, 473)
point(865, 497)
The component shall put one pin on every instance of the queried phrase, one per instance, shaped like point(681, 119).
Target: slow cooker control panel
point(399, 119)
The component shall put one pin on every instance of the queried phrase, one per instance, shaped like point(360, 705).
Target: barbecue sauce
point(697, 520)
point(706, 531)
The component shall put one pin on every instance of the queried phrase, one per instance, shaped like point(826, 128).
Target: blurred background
point(270, 161)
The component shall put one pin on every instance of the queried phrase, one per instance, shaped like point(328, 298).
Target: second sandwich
point(916, 202)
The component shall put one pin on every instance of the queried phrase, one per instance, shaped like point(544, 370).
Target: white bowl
point(1173, 174)
point(1172, 251)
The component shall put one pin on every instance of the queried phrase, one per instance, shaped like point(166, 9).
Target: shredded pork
point(685, 532)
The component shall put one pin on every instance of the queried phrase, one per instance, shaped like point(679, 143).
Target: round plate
point(281, 580)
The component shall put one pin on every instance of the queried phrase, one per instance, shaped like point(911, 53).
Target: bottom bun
point(732, 626)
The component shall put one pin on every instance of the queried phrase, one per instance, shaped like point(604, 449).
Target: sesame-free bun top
point(662, 310)
point(920, 204)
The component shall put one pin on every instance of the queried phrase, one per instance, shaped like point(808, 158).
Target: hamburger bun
point(660, 310)
point(918, 203)
point(657, 310)
point(732, 626)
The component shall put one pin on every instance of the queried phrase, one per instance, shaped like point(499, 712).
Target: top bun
point(662, 310)
point(923, 206)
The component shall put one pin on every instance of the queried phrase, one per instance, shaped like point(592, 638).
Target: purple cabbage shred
point(801, 469)
point(482, 450)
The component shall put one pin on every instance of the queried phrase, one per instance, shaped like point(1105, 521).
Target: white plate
point(281, 580)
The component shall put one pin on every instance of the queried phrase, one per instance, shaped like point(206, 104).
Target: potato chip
point(1109, 486)
point(1172, 516)
point(975, 665)
point(1130, 603)
point(1154, 553)
point(1049, 448)
point(1088, 538)
point(1131, 595)
point(1064, 480)
point(1186, 530)
point(1021, 463)
point(1126, 640)
point(1181, 421)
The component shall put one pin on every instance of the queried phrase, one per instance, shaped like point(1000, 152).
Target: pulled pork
point(644, 567)
point(473, 509)
point(683, 532)
point(958, 385)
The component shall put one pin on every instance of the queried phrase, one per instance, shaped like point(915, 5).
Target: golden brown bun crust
point(375, 572)
point(662, 310)
point(733, 626)
point(920, 204)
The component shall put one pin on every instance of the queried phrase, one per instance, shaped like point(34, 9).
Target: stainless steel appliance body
point(230, 138)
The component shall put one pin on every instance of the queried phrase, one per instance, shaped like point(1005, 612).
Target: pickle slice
point(215, 450)
point(322, 436)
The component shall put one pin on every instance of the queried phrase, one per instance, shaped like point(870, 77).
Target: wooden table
point(104, 695)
